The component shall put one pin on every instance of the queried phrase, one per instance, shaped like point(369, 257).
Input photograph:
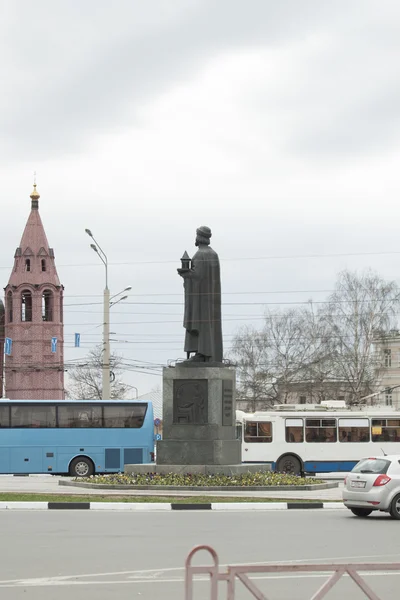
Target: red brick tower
point(34, 364)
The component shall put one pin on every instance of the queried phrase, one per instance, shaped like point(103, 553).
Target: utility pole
point(106, 384)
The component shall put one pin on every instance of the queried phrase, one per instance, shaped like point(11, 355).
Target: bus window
point(321, 430)
point(79, 415)
point(34, 415)
point(294, 430)
point(124, 416)
point(385, 430)
point(258, 431)
point(239, 432)
point(353, 430)
point(4, 416)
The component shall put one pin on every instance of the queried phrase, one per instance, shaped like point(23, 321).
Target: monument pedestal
point(199, 428)
point(199, 417)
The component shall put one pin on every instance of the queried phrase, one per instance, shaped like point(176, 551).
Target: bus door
point(257, 435)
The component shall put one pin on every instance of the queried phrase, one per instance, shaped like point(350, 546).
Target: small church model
point(33, 321)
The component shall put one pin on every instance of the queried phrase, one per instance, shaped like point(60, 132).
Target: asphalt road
point(89, 555)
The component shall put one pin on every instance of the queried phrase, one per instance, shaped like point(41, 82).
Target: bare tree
point(288, 351)
point(362, 307)
point(250, 350)
point(328, 352)
point(86, 379)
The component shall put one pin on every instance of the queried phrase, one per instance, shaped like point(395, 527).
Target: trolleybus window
point(353, 430)
point(321, 430)
point(258, 431)
point(294, 430)
point(385, 430)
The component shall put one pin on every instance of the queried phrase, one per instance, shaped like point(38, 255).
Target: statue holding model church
point(199, 393)
point(202, 317)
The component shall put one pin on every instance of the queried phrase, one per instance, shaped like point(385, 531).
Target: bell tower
point(34, 351)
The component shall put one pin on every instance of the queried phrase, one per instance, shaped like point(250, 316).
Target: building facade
point(34, 359)
point(387, 352)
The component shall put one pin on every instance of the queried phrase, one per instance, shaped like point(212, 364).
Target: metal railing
point(241, 572)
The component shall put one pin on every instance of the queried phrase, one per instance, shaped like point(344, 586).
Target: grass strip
point(21, 497)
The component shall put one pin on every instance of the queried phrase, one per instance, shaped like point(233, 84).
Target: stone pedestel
point(199, 417)
point(199, 423)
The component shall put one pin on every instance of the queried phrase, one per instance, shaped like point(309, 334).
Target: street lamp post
point(106, 384)
point(106, 372)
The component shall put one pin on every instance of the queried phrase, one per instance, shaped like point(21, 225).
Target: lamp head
point(89, 232)
point(127, 289)
point(94, 247)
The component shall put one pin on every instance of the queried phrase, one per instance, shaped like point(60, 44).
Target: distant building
point(155, 398)
point(302, 388)
point(387, 352)
point(34, 365)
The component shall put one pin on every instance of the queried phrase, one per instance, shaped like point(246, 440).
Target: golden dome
point(35, 194)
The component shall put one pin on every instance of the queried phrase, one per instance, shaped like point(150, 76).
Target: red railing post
point(212, 570)
point(242, 572)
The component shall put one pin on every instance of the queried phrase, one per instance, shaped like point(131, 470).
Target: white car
point(374, 484)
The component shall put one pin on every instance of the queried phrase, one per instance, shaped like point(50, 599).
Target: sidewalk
point(48, 484)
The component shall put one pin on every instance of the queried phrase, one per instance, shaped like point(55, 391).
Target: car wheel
point(395, 507)
point(361, 512)
point(81, 467)
point(289, 464)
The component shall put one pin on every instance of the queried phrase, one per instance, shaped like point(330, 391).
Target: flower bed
point(198, 480)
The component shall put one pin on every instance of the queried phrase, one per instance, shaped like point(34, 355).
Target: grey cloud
point(81, 72)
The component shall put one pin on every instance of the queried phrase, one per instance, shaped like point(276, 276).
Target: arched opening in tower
point(26, 306)
point(10, 307)
point(47, 305)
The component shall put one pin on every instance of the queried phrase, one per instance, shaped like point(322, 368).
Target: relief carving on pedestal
point(190, 402)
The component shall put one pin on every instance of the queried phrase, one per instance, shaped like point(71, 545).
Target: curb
point(26, 475)
point(202, 488)
point(165, 506)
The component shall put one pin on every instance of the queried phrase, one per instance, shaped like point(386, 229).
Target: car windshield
point(372, 465)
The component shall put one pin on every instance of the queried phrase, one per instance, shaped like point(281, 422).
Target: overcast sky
point(274, 123)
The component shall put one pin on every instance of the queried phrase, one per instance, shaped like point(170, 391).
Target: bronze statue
point(202, 319)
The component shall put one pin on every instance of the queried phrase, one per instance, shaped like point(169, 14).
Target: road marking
point(150, 575)
point(52, 583)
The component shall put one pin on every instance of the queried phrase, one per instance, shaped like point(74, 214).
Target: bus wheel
point(289, 464)
point(81, 467)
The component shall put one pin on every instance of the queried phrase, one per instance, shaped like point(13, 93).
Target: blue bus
point(77, 438)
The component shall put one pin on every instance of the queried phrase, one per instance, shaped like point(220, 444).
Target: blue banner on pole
point(54, 344)
point(77, 340)
point(8, 346)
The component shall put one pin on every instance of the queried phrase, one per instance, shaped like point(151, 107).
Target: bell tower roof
point(34, 259)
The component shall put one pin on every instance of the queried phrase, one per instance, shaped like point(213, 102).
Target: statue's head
point(203, 235)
